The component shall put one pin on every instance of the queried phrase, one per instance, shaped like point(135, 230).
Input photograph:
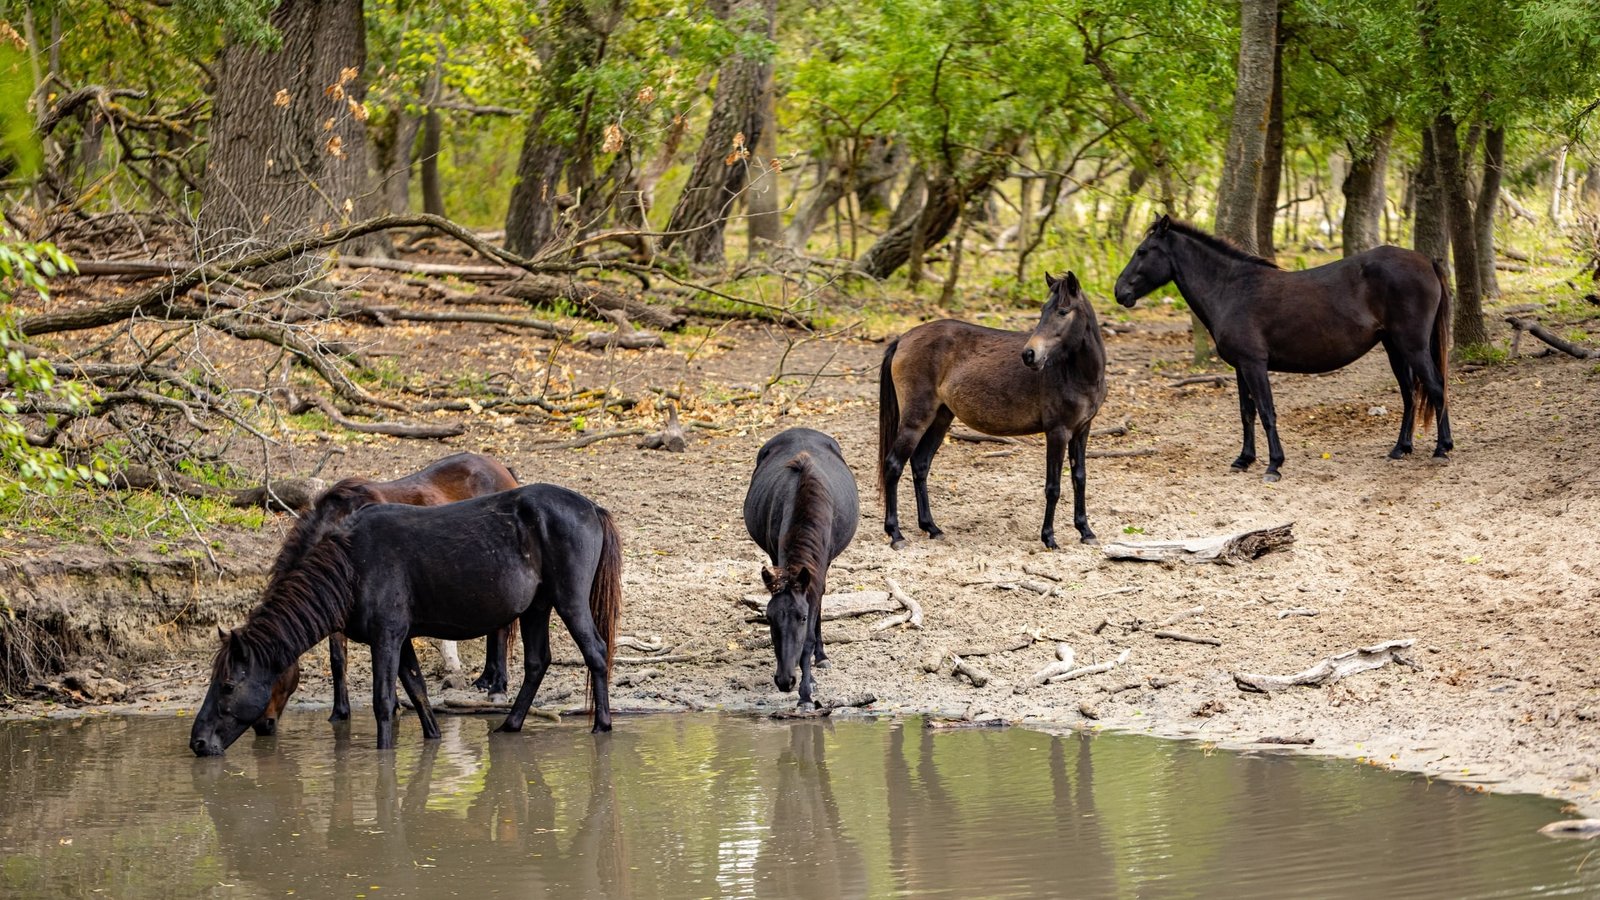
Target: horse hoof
point(1090, 541)
point(823, 663)
point(498, 698)
point(935, 535)
point(1400, 453)
point(507, 729)
point(899, 544)
point(1271, 477)
point(1050, 544)
point(339, 715)
point(1440, 457)
point(601, 728)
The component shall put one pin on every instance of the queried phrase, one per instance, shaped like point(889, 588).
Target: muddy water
point(701, 806)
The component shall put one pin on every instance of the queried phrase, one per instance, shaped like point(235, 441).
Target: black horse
point(1000, 382)
point(1265, 320)
point(460, 571)
point(802, 509)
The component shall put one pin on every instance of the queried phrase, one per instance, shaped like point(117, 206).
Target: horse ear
point(1072, 284)
point(802, 579)
point(222, 634)
point(1050, 281)
point(1162, 224)
point(769, 577)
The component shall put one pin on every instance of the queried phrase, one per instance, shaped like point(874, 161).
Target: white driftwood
point(1095, 669)
point(977, 676)
point(1065, 658)
point(1578, 828)
point(912, 608)
point(1229, 549)
point(1187, 638)
point(838, 606)
point(1175, 618)
point(1332, 669)
point(1297, 611)
point(651, 644)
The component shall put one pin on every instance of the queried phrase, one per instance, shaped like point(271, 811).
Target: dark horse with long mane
point(460, 571)
point(1000, 382)
point(1265, 320)
point(455, 477)
point(802, 508)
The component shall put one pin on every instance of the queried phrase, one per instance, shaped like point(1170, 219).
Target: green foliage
point(19, 146)
point(1481, 354)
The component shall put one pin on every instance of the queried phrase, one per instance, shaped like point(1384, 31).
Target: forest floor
point(1488, 561)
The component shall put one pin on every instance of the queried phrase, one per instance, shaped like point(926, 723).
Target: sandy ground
point(1489, 561)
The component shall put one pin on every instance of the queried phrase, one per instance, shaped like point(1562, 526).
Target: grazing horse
point(802, 509)
point(1000, 382)
point(393, 572)
point(453, 478)
point(1265, 320)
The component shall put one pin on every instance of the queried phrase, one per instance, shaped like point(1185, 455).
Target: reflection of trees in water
point(805, 852)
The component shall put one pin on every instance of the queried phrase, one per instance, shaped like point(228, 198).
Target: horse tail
point(605, 592)
point(1439, 345)
point(888, 410)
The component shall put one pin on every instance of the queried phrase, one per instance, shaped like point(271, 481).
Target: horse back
point(770, 502)
point(455, 477)
point(976, 372)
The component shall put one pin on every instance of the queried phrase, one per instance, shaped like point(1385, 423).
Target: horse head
point(789, 616)
point(1150, 267)
point(1061, 323)
point(241, 687)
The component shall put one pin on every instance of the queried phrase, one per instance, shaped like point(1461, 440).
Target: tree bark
point(945, 197)
point(1557, 181)
point(432, 141)
point(1591, 186)
point(765, 222)
point(288, 152)
point(1364, 193)
point(884, 157)
point(1469, 327)
point(1494, 162)
point(1431, 220)
point(1272, 158)
point(721, 166)
point(1238, 193)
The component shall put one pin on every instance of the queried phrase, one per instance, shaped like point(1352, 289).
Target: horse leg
point(338, 650)
point(819, 657)
point(385, 669)
point(1055, 450)
point(1433, 383)
point(452, 665)
point(1078, 450)
point(1247, 415)
point(493, 678)
point(921, 461)
point(580, 624)
point(1261, 392)
point(417, 689)
point(535, 662)
point(1408, 401)
point(913, 422)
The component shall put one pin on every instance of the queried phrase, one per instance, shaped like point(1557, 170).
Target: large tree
point(1237, 195)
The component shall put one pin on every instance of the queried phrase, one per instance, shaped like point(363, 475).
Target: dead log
point(384, 315)
point(286, 495)
point(588, 439)
point(626, 336)
point(1294, 741)
point(1095, 669)
point(670, 438)
point(837, 606)
point(912, 607)
point(1573, 828)
point(1228, 549)
point(1112, 431)
point(1297, 611)
point(593, 297)
point(1187, 638)
point(1065, 658)
point(974, 674)
point(1214, 380)
point(1332, 669)
point(1119, 454)
point(393, 429)
point(1544, 334)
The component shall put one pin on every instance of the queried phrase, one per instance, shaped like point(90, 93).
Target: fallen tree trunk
point(1544, 334)
point(392, 429)
point(287, 495)
point(1332, 669)
point(1228, 549)
point(594, 297)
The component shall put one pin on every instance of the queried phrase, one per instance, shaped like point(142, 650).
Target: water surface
point(707, 806)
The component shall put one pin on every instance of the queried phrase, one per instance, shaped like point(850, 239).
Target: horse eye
point(227, 688)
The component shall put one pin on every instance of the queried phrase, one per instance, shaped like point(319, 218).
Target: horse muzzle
point(204, 747)
point(784, 681)
point(1034, 360)
point(1125, 297)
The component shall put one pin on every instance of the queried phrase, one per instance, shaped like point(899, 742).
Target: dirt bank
point(1488, 562)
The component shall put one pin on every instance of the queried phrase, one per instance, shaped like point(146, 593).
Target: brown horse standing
point(453, 478)
point(1265, 320)
point(1000, 382)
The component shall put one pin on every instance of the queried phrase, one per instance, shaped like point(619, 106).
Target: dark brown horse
point(1265, 320)
point(1000, 382)
point(453, 478)
point(392, 572)
point(802, 508)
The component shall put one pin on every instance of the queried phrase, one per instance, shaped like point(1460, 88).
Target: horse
point(392, 572)
point(1264, 319)
point(947, 369)
point(802, 509)
point(455, 477)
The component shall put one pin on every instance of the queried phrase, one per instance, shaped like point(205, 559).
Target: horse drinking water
point(392, 572)
point(456, 477)
point(1265, 320)
point(1000, 382)
point(802, 509)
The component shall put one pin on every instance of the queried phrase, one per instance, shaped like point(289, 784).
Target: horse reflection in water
point(806, 852)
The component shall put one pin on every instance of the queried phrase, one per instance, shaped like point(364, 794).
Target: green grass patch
point(1481, 354)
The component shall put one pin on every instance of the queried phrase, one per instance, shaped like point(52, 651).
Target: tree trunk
point(912, 197)
point(828, 192)
point(1469, 329)
point(1591, 186)
point(390, 142)
point(761, 202)
point(432, 140)
point(557, 153)
point(1272, 158)
point(275, 167)
point(721, 167)
point(1494, 161)
point(1431, 220)
point(1556, 182)
point(884, 158)
point(1237, 195)
point(1364, 193)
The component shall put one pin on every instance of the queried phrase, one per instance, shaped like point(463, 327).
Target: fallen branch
point(1095, 669)
point(393, 429)
point(1544, 334)
point(1065, 658)
point(1187, 638)
point(1295, 741)
point(837, 606)
point(973, 437)
point(383, 314)
point(489, 706)
point(588, 439)
point(913, 610)
point(1112, 431)
point(670, 438)
point(1332, 669)
point(1119, 454)
point(1215, 380)
point(626, 336)
point(1577, 828)
point(1297, 611)
point(1228, 549)
point(973, 673)
point(288, 495)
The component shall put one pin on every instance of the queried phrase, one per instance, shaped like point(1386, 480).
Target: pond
point(707, 805)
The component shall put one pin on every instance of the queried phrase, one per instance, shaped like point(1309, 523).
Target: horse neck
point(808, 531)
point(304, 604)
point(1207, 277)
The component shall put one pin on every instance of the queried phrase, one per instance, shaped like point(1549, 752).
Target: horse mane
point(300, 606)
point(805, 544)
point(1220, 244)
point(334, 504)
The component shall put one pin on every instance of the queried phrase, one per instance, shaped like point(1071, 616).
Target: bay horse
point(1052, 379)
point(802, 509)
point(1264, 319)
point(393, 572)
point(452, 478)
